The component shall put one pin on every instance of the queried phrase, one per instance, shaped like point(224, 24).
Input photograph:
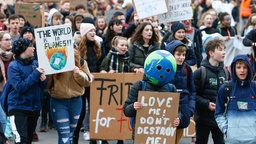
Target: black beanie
point(176, 26)
point(88, 20)
point(27, 29)
point(20, 45)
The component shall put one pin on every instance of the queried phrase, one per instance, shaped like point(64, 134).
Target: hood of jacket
point(244, 58)
point(50, 15)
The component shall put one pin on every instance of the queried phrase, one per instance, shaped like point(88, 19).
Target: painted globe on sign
point(160, 67)
point(58, 61)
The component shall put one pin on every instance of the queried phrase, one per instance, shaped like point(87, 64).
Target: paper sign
point(178, 10)
point(55, 50)
point(31, 12)
point(108, 93)
point(154, 122)
point(9, 2)
point(148, 8)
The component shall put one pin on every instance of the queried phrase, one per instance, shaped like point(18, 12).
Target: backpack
point(203, 76)
point(228, 89)
point(143, 87)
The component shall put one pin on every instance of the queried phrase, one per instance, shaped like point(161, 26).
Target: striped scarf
point(116, 59)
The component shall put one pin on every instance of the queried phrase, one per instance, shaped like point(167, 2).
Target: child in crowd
point(184, 82)
point(156, 77)
point(235, 110)
point(207, 86)
point(117, 60)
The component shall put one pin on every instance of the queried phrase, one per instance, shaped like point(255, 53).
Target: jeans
point(65, 114)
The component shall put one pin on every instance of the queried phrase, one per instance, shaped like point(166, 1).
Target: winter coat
point(224, 31)
point(68, 85)
point(27, 86)
point(138, 54)
point(250, 38)
point(215, 77)
point(238, 124)
point(184, 82)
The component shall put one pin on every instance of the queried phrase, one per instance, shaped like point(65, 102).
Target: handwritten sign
point(178, 10)
point(55, 48)
point(148, 8)
point(108, 94)
point(31, 12)
point(154, 121)
point(190, 131)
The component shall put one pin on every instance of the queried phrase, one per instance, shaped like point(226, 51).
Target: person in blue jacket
point(237, 121)
point(184, 82)
point(24, 100)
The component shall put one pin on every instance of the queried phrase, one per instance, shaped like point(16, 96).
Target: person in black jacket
point(206, 91)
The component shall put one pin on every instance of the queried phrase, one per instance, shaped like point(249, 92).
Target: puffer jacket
point(238, 123)
point(68, 85)
point(138, 54)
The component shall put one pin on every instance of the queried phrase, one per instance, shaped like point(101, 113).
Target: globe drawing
point(58, 61)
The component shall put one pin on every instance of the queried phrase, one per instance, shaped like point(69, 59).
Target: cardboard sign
point(31, 12)
point(55, 50)
point(107, 96)
point(41, 1)
point(74, 3)
point(154, 121)
point(178, 10)
point(148, 8)
point(190, 131)
point(9, 2)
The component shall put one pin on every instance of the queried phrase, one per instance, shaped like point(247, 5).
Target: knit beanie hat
point(176, 26)
point(88, 20)
point(85, 28)
point(173, 45)
point(20, 45)
point(27, 29)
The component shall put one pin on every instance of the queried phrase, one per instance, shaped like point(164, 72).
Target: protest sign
point(154, 122)
point(148, 8)
point(108, 93)
point(190, 131)
point(109, 14)
point(178, 10)
point(9, 2)
point(55, 50)
point(31, 12)
point(74, 3)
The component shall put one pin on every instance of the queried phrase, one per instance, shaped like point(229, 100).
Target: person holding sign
point(27, 82)
point(160, 67)
point(235, 104)
point(66, 103)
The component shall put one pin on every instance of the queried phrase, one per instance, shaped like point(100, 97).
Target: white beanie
point(85, 28)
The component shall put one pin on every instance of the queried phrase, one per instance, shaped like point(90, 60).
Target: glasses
point(6, 39)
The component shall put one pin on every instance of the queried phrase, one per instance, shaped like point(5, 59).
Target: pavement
point(51, 137)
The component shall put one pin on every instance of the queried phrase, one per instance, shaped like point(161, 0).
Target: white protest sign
point(55, 50)
point(178, 10)
point(148, 8)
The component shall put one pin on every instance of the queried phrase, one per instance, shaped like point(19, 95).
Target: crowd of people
point(121, 45)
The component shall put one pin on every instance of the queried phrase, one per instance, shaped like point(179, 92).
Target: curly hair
point(138, 34)
point(82, 48)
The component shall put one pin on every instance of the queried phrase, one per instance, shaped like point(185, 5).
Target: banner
point(108, 93)
point(154, 122)
point(55, 50)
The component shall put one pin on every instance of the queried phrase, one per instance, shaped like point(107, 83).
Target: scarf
point(116, 58)
point(6, 55)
